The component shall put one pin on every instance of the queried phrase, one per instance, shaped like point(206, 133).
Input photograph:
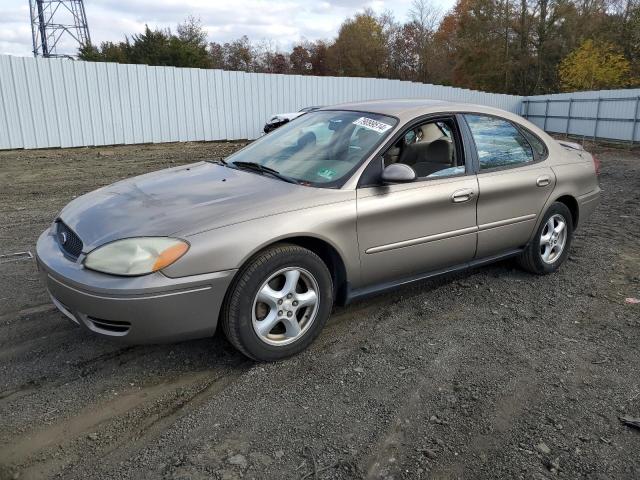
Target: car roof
point(411, 107)
point(406, 109)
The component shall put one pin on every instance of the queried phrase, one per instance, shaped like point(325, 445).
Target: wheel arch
point(327, 252)
point(572, 204)
point(568, 201)
point(331, 257)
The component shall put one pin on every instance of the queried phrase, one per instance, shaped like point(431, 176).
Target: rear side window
point(538, 145)
point(499, 142)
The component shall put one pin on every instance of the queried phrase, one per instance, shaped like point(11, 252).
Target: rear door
point(514, 183)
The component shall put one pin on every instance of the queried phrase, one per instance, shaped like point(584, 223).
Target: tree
point(150, 47)
point(424, 19)
point(300, 59)
point(509, 46)
point(594, 66)
point(318, 52)
point(480, 37)
point(239, 55)
point(189, 47)
point(216, 54)
point(404, 56)
point(360, 49)
point(157, 47)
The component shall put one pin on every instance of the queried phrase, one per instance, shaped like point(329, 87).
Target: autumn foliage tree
point(360, 50)
point(594, 66)
point(522, 47)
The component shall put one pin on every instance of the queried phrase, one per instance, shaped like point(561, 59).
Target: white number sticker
point(372, 124)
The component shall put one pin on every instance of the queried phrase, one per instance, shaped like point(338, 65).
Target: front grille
point(68, 240)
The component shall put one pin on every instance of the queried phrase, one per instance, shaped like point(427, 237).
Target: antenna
point(58, 27)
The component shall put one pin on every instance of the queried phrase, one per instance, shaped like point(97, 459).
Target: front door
point(426, 225)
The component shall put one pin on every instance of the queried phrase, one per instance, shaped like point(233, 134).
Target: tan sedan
point(337, 204)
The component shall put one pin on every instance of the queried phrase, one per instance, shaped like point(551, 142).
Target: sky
point(282, 21)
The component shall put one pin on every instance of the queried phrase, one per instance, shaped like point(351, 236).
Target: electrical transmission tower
point(58, 27)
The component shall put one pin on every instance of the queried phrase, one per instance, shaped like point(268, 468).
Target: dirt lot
point(492, 373)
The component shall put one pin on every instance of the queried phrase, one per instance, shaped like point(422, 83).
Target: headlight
point(136, 256)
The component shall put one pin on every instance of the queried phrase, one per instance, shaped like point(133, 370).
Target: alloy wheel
point(285, 306)
point(553, 238)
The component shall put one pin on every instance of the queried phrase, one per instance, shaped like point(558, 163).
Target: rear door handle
point(543, 181)
point(463, 195)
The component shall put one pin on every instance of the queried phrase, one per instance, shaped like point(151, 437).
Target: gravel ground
point(491, 373)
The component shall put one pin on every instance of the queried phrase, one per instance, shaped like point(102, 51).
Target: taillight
point(596, 164)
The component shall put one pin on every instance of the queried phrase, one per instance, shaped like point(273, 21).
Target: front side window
point(429, 148)
point(320, 148)
point(499, 142)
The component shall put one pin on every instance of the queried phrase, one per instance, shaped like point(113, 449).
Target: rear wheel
point(278, 303)
point(550, 246)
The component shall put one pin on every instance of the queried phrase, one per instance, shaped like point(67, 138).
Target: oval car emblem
point(63, 237)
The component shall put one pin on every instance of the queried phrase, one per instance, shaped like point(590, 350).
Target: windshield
point(319, 148)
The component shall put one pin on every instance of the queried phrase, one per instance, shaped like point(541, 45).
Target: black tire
point(236, 317)
point(531, 259)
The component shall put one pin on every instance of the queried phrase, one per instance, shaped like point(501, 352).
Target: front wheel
point(550, 245)
point(278, 303)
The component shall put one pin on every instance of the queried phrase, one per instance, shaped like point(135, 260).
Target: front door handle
point(543, 181)
point(463, 195)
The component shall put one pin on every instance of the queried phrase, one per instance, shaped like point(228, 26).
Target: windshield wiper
point(256, 167)
point(219, 161)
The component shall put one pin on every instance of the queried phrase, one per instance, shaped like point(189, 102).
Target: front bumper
point(147, 309)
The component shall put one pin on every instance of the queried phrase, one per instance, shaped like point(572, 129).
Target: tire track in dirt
point(147, 412)
point(383, 459)
point(84, 367)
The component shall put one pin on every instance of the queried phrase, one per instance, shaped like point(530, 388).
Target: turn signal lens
point(170, 255)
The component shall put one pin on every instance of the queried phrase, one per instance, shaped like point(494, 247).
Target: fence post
point(566, 132)
point(546, 112)
point(635, 120)
point(595, 127)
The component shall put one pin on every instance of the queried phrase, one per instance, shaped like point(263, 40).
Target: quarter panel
point(575, 177)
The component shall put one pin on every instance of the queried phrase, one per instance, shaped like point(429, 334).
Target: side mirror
point(398, 173)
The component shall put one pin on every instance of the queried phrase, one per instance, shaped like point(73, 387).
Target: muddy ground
point(491, 373)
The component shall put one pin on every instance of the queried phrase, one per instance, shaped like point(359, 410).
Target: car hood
point(183, 201)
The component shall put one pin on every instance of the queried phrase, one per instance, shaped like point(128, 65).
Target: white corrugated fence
point(66, 103)
point(603, 114)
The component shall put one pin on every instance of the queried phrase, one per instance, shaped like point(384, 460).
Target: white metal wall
point(66, 103)
point(610, 114)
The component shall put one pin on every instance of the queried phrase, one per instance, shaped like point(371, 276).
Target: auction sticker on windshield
point(372, 124)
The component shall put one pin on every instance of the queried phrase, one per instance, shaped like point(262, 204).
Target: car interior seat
point(430, 133)
point(437, 157)
point(306, 140)
point(392, 155)
point(413, 153)
point(365, 139)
